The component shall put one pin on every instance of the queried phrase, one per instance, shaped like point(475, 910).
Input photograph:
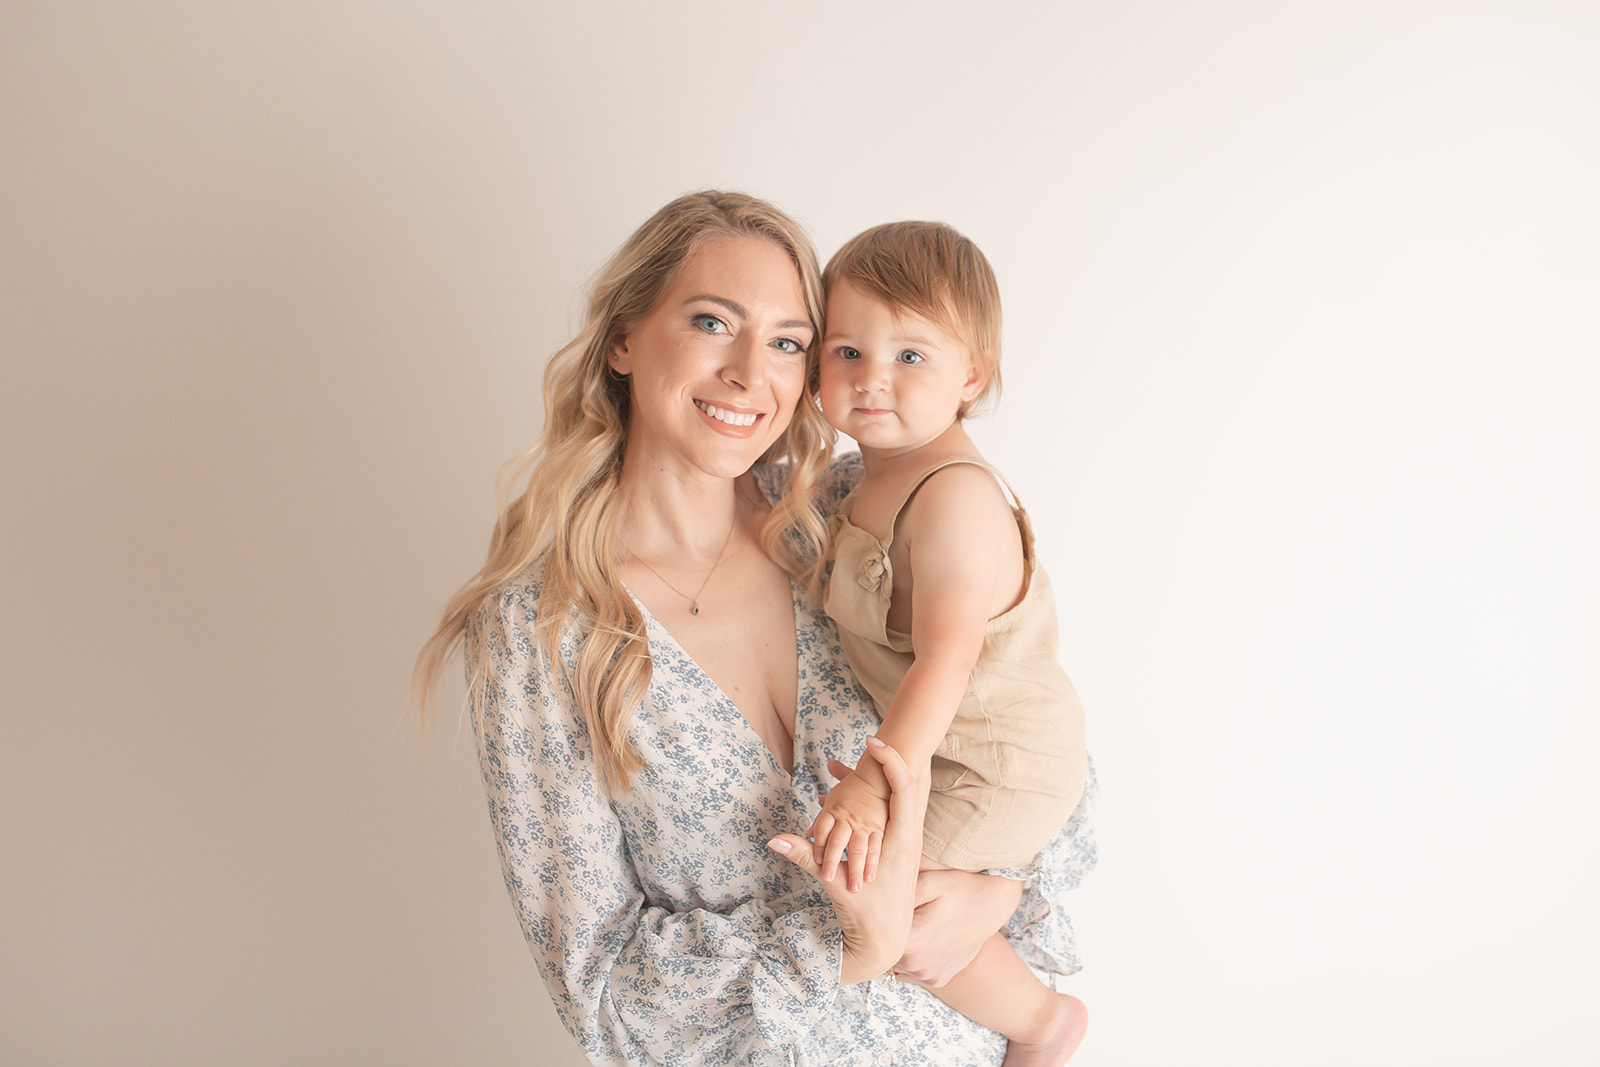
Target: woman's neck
point(687, 519)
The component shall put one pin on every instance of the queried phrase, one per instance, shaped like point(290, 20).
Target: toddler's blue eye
point(846, 352)
point(710, 324)
point(909, 356)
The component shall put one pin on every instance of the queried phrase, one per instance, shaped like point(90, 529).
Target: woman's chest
point(748, 658)
point(697, 820)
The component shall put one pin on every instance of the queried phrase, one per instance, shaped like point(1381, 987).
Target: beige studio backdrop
point(1301, 374)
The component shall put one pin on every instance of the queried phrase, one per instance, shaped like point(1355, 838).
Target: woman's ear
point(621, 361)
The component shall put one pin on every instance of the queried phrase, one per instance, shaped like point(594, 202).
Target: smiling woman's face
point(719, 364)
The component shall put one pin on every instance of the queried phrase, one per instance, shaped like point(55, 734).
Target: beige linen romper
point(1012, 766)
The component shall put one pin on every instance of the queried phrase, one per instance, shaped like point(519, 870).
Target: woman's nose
point(747, 364)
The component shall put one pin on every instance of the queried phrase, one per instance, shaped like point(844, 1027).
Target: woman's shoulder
point(505, 637)
point(522, 590)
point(841, 476)
point(840, 480)
point(508, 613)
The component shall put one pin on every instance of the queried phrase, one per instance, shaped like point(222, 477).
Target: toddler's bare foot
point(1061, 1031)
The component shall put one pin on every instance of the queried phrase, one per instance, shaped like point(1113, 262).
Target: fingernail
point(778, 844)
point(873, 742)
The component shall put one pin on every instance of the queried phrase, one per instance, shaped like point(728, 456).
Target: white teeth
point(732, 418)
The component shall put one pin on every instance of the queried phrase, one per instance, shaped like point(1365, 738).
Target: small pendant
point(694, 607)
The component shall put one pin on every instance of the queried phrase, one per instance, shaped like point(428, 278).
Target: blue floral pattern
point(665, 929)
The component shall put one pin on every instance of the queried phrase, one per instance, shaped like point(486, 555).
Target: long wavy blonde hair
point(564, 519)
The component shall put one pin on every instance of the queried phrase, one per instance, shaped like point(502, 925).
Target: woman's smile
point(728, 416)
point(718, 366)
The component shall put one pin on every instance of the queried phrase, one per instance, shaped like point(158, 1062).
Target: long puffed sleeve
point(644, 965)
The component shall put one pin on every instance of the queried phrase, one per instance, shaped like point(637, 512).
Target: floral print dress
point(666, 930)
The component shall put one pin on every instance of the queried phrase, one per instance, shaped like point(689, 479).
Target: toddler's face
point(891, 379)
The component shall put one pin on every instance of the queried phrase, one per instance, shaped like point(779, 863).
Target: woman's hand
point(877, 920)
point(957, 911)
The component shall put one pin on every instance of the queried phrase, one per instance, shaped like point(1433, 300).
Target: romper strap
point(1024, 525)
point(916, 483)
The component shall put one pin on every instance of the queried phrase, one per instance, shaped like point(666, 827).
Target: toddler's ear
point(977, 377)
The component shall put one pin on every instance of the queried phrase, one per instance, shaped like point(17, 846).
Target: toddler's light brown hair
point(931, 270)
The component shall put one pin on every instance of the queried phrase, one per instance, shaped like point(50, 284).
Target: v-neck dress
point(665, 929)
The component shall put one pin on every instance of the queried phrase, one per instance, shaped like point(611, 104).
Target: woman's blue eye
point(788, 344)
point(846, 352)
point(909, 356)
point(710, 324)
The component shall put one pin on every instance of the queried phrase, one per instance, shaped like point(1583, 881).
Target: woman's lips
point(738, 420)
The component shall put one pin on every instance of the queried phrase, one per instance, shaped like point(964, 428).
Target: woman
point(656, 699)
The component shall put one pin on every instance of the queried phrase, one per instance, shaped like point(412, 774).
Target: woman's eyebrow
point(739, 310)
point(732, 305)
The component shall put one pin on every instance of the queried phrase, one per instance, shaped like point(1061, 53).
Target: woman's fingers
point(908, 801)
point(909, 792)
point(957, 912)
point(798, 849)
point(839, 770)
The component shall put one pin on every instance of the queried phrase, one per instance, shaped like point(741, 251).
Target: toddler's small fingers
point(874, 851)
point(819, 837)
point(838, 844)
point(858, 862)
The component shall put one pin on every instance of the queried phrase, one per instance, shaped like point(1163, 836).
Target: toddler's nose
point(871, 379)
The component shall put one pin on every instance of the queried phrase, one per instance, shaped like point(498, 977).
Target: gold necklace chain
point(694, 601)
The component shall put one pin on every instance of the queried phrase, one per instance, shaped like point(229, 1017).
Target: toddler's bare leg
point(998, 991)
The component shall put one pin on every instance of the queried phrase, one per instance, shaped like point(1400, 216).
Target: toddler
point(944, 614)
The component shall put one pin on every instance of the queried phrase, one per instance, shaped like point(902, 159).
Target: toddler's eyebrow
point(902, 339)
point(739, 310)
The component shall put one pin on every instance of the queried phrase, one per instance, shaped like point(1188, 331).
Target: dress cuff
point(797, 974)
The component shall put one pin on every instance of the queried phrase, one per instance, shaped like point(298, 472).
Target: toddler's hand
point(852, 822)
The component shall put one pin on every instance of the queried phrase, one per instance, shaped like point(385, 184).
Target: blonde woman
point(657, 698)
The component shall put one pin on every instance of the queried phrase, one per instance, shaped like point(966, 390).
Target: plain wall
point(1302, 361)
